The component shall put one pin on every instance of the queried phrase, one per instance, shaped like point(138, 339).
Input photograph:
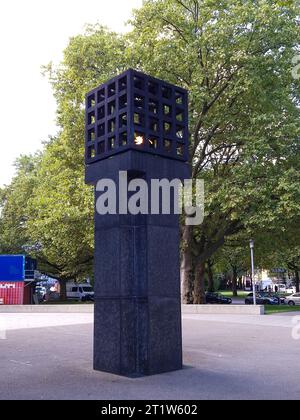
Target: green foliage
point(53, 221)
point(61, 222)
point(14, 234)
point(62, 205)
point(235, 57)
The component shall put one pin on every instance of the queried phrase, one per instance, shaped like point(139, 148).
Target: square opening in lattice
point(111, 108)
point(167, 145)
point(111, 127)
point(167, 110)
point(139, 119)
point(153, 107)
point(111, 143)
point(123, 101)
point(154, 125)
point(91, 152)
point(101, 130)
point(153, 88)
point(91, 101)
point(153, 142)
point(167, 127)
point(91, 118)
point(138, 83)
point(123, 139)
point(101, 148)
point(139, 102)
point(179, 98)
point(179, 132)
point(91, 135)
point(166, 92)
point(179, 115)
point(180, 149)
point(101, 96)
point(123, 84)
point(111, 90)
point(101, 113)
point(123, 120)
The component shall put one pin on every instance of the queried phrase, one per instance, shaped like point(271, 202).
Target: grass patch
point(67, 302)
point(241, 294)
point(270, 309)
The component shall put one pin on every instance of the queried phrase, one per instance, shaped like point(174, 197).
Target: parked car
point(41, 292)
point(293, 299)
point(51, 296)
point(283, 288)
point(83, 292)
point(290, 290)
point(262, 299)
point(280, 300)
point(217, 298)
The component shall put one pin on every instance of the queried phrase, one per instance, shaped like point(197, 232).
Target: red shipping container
point(12, 292)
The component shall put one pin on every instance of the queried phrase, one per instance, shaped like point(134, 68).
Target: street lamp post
point(253, 270)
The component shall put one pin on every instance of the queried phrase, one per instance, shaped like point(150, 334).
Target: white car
point(83, 292)
point(41, 290)
point(293, 299)
point(282, 288)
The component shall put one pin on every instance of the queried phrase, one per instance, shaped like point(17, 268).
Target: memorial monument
point(138, 125)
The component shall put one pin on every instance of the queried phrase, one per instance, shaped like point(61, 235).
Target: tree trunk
point(223, 283)
point(199, 287)
point(211, 286)
point(186, 266)
point(63, 290)
point(297, 276)
point(234, 282)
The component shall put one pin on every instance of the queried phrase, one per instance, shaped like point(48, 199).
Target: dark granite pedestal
point(137, 281)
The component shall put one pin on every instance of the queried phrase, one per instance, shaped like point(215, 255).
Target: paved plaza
point(49, 356)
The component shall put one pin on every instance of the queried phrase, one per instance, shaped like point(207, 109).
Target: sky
point(33, 33)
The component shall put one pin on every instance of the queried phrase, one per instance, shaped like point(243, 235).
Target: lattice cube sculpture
point(136, 111)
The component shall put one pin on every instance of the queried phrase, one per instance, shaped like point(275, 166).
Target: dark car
point(280, 300)
point(262, 299)
point(217, 298)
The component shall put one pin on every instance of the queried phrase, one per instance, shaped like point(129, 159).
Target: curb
point(88, 309)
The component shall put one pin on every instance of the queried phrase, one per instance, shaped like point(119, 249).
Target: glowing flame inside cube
point(139, 140)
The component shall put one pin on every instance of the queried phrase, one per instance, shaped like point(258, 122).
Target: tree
point(285, 253)
point(292, 262)
point(62, 205)
point(210, 275)
point(234, 57)
point(14, 233)
point(233, 258)
point(47, 211)
point(61, 218)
